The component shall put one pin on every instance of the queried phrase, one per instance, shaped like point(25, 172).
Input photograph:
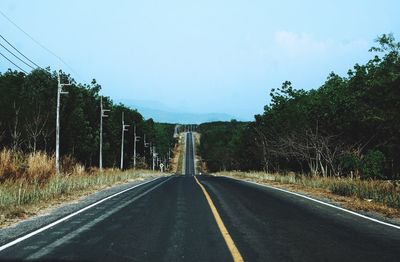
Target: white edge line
point(320, 202)
point(184, 155)
point(37, 231)
point(194, 152)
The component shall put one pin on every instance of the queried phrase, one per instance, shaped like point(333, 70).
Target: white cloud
point(306, 60)
point(291, 45)
point(294, 44)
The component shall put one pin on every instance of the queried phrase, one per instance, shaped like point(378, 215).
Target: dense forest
point(350, 126)
point(220, 144)
point(28, 120)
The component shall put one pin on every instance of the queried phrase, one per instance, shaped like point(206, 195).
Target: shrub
point(349, 163)
point(372, 164)
point(68, 164)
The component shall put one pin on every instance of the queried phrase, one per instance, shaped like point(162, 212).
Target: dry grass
point(9, 163)
point(176, 155)
point(31, 167)
point(39, 167)
point(181, 146)
point(28, 183)
point(367, 195)
point(200, 164)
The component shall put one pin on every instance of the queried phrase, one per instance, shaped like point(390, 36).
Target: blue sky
point(200, 56)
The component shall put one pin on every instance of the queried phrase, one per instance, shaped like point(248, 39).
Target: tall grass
point(181, 151)
point(23, 192)
point(29, 180)
point(385, 192)
point(33, 166)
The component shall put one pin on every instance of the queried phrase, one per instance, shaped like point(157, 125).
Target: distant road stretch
point(183, 218)
point(190, 168)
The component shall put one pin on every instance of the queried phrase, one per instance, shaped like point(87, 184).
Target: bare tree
point(35, 128)
point(15, 134)
point(261, 139)
point(46, 135)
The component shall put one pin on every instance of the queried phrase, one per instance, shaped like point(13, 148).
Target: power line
point(13, 63)
point(18, 51)
point(39, 44)
point(16, 56)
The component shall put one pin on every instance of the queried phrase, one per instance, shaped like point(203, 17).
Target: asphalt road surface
point(206, 218)
point(189, 155)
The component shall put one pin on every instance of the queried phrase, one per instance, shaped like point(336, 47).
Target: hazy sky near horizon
point(200, 56)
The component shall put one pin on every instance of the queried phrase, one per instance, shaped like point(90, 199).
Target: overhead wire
point(16, 56)
point(19, 51)
point(9, 60)
point(39, 44)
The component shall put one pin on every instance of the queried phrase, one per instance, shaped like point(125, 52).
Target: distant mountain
point(164, 114)
point(182, 118)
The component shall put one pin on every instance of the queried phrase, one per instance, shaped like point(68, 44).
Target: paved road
point(171, 219)
point(189, 155)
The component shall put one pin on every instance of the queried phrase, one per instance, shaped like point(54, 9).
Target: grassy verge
point(181, 146)
point(21, 198)
point(366, 195)
point(200, 164)
point(28, 183)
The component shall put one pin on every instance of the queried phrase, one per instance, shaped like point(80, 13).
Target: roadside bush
point(372, 164)
point(68, 164)
point(349, 163)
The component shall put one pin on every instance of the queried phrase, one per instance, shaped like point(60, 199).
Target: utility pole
point(135, 139)
point(102, 115)
point(154, 157)
point(144, 147)
point(169, 157)
point(151, 150)
point(124, 129)
point(59, 93)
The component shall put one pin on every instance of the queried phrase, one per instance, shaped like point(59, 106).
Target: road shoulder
point(63, 209)
point(360, 206)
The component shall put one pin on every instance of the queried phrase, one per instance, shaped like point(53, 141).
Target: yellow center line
point(237, 257)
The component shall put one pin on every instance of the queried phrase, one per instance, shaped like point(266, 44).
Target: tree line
point(28, 119)
point(350, 126)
